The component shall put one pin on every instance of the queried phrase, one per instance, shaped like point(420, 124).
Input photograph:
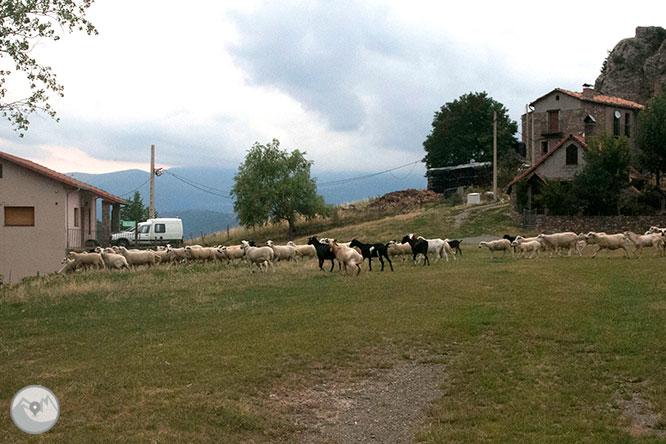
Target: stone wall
point(608, 224)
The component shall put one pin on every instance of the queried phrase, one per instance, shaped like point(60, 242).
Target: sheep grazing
point(176, 254)
point(557, 241)
point(347, 256)
point(86, 260)
point(497, 245)
point(233, 252)
point(261, 256)
point(372, 250)
point(113, 260)
point(304, 250)
point(607, 242)
point(324, 252)
point(395, 249)
point(282, 252)
point(137, 257)
point(68, 267)
point(419, 247)
point(654, 239)
point(524, 247)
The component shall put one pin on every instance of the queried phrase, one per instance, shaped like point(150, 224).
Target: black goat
point(419, 246)
point(372, 250)
point(455, 244)
point(510, 239)
point(324, 252)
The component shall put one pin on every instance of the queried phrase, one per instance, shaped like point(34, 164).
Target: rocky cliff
point(636, 68)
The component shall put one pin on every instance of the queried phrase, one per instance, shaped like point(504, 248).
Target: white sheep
point(607, 242)
point(199, 253)
point(556, 241)
point(304, 250)
point(438, 247)
point(261, 256)
point(498, 245)
point(396, 249)
point(137, 257)
point(282, 252)
point(112, 259)
point(86, 260)
point(347, 256)
point(654, 239)
point(523, 247)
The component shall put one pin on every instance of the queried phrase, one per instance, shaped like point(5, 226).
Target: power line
point(200, 187)
point(367, 176)
point(134, 190)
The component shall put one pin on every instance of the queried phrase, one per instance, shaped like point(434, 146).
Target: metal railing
point(81, 238)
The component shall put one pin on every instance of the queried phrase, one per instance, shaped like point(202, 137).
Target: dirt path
point(384, 407)
point(458, 219)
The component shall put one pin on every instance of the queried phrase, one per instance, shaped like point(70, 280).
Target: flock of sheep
point(655, 238)
point(351, 255)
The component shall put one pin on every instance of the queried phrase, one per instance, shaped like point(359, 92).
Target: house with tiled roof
point(44, 214)
point(559, 113)
point(561, 163)
point(555, 131)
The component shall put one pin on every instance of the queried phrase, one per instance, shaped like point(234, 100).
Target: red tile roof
point(37, 168)
point(579, 140)
point(597, 98)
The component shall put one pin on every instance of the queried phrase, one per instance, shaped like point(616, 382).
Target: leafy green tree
point(274, 185)
point(651, 140)
point(598, 187)
point(463, 130)
point(24, 24)
point(135, 209)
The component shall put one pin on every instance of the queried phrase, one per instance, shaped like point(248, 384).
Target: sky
point(355, 84)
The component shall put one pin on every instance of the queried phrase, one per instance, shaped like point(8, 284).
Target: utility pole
point(495, 155)
point(151, 208)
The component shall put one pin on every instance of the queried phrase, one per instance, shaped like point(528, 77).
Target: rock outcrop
point(636, 68)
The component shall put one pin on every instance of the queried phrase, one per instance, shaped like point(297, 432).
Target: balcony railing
point(78, 238)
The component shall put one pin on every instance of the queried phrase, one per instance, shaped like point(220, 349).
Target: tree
point(24, 24)
point(135, 210)
point(274, 185)
point(463, 130)
point(599, 186)
point(651, 140)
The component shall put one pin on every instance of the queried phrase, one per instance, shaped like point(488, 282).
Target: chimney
point(588, 91)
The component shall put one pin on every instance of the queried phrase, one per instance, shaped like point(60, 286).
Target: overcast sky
point(355, 84)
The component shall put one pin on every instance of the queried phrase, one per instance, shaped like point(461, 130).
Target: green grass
point(535, 351)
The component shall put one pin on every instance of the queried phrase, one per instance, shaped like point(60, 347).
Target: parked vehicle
point(158, 231)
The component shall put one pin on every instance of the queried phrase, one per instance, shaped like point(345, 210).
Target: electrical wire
point(200, 186)
point(134, 190)
point(367, 176)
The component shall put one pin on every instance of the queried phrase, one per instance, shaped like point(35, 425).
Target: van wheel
point(123, 243)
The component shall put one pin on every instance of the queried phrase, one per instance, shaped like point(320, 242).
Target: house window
point(572, 155)
point(544, 147)
point(76, 217)
point(19, 216)
point(616, 123)
point(554, 121)
point(160, 228)
point(627, 124)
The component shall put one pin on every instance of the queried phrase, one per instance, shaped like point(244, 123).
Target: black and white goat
point(372, 250)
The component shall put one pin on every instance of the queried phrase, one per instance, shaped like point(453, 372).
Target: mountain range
point(200, 196)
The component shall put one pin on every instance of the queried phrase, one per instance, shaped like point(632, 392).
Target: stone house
point(561, 112)
point(560, 163)
point(44, 214)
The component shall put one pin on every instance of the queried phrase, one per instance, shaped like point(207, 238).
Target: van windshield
point(144, 228)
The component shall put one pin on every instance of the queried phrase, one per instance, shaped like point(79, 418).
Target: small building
point(561, 163)
point(447, 180)
point(562, 112)
point(46, 213)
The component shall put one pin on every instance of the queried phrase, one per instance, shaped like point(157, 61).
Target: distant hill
point(179, 192)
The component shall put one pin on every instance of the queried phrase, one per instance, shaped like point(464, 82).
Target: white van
point(158, 231)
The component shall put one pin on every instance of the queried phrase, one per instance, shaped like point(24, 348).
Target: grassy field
point(542, 351)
